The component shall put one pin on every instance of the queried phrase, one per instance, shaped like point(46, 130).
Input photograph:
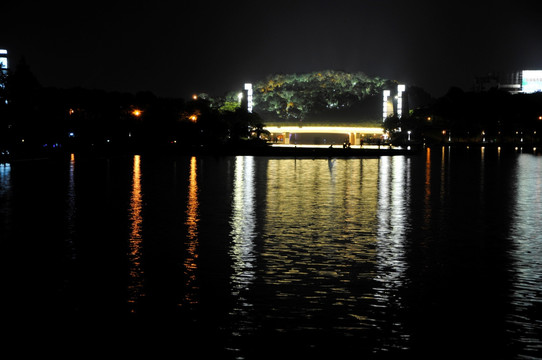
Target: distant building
point(525, 81)
point(3, 70)
point(3, 61)
point(531, 81)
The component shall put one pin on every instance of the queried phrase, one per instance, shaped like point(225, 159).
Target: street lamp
point(409, 132)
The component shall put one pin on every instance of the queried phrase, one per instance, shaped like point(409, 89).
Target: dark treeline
point(37, 120)
point(494, 117)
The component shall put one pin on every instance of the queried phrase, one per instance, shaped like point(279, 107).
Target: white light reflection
point(5, 195)
point(135, 287)
point(393, 214)
point(527, 255)
point(243, 223)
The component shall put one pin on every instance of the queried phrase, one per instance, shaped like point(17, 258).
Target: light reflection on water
point(393, 225)
point(5, 195)
point(380, 250)
point(243, 225)
point(135, 251)
point(332, 242)
point(527, 254)
point(192, 219)
point(71, 210)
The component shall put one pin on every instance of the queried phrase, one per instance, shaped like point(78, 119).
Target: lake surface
point(432, 255)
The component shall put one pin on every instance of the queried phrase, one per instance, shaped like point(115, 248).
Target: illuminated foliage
point(294, 96)
point(231, 106)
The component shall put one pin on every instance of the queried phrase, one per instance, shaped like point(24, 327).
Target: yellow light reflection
point(192, 219)
point(321, 238)
point(135, 288)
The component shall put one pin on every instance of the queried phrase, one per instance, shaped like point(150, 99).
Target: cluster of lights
point(401, 88)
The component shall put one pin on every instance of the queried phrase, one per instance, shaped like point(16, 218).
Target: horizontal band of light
point(324, 129)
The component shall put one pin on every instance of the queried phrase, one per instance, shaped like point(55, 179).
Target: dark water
point(437, 255)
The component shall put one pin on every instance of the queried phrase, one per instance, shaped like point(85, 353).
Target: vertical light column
point(400, 90)
point(385, 105)
point(248, 88)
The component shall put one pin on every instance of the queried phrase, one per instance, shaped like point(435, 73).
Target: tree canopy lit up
point(295, 96)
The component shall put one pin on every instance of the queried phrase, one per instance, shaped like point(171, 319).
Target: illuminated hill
point(325, 97)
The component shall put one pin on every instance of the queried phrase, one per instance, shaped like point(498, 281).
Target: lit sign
point(531, 81)
point(3, 59)
point(400, 89)
point(248, 88)
point(385, 105)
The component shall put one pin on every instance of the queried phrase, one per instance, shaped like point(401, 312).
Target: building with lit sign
point(3, 68)
point(531, 81)
point(3, 60)
point(525, 82)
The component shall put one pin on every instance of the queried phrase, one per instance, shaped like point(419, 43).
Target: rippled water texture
point(435, 255)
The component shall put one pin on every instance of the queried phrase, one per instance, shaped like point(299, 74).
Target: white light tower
point(248, 88)
point(400, 89)
point(385, 105)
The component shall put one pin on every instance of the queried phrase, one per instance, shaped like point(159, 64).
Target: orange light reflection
point(192, 218)
point(427, 198)
point(136, 237)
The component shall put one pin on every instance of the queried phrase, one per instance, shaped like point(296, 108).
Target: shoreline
point(272, 151)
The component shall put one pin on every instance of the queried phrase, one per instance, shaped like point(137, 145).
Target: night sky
point(176, 48)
